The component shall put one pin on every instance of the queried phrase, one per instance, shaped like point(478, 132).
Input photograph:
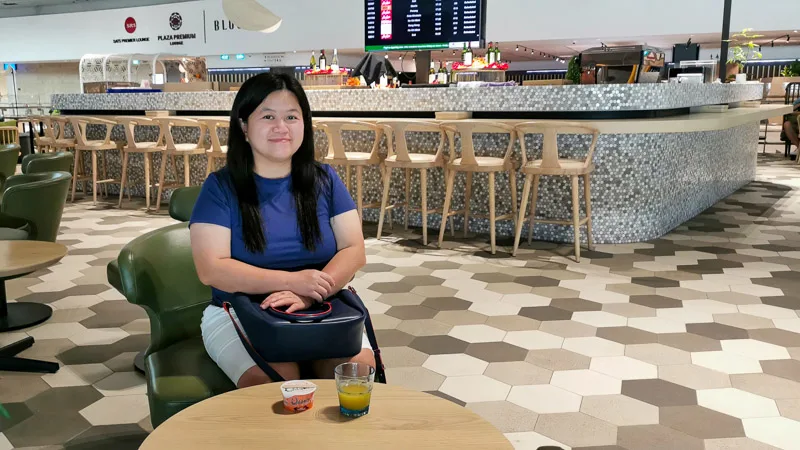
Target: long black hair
point(308, 176)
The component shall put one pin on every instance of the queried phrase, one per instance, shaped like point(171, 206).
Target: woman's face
point(275, 129)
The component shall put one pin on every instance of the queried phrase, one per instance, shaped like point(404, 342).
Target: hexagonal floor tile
point(476, 388)
point(726, 362)
point(694, 377)
point(47, 429)
point(416, 378)
point(659, 392)
point(701, 422)
point(438, 345)
point(455, 365)
point(568, 329)
point(627, 335)
point(737, 403)
point(623, 368)
point(505, 416)
point(533, 340)
point(424, 327)
point(545, 399)
point(586, 382)
point(557, 359)
point(117, 410)
point(518, 373)
point(122, 383)
point(766, 385)
point(755, 349)
point(594, 346)
point(477, 333)
point(577, 429)
point(620, 410)
point(599, 319)
point(777, 431)
point(656, 437)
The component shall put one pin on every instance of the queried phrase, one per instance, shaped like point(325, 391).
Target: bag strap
point(271, 373)
point(380, 370)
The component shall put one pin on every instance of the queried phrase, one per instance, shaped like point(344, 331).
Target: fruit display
point(480, 64)
point(352, 81)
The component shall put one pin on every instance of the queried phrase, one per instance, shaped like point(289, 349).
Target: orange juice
point(354, 399)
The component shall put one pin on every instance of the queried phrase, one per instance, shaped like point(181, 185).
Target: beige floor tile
point(545, 399)
point(757, 290)
point(518, 373)
point(477, 333)
point(777, 431)
point(620, 410)
point(526, 300)
point(117, 410)
point(726, 362)
point(789, 408)
point(769, 386)
point(623, 368)
point(710, 306)
point(78, 375)
point(739, 443)
point(416, 378)
point(557, 359)
point(505, 416)
point(577, 429)
point(768, 311)
point(737, 403)
point(586, 382)
point(651, 437)
point(694, 377)
point(533, 441)
point(658, 354)
point(684, 315)
point(533, 340)
point(98, 336)
point(475, 388)
point(744, 321)
point(792, 325)
point(599, 319)
point(594, 346)
point(734, 298)
point(755, 349)
point(567, 328)
point(657, 325)
point(455, 365)
point(122, 383)
point(56, 330)
point(629, 310)
point(424, 327)
point(402, 357)
point(492, 307)
point(700, 422)
point(434, 291)
point(461, 317)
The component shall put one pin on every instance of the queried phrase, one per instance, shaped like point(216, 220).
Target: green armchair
point(157, 273)
point(9, 155)
point(38, 199)
point(47, 162)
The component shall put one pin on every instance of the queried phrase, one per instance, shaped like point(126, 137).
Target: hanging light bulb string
point(542, 54)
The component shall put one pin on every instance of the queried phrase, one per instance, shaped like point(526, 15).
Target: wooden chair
point(470, 164)
point(43, 143)
point(338, 156)
point(174, 150)
point(146, 149)
point(61, 141)
point(95, 146)
point(552, 165)
point(9, 135)
point(398, 157)
point(217, 151)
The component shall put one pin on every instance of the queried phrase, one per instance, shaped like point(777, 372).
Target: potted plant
point(743, 50)
point(574, 71)
point(792, 70)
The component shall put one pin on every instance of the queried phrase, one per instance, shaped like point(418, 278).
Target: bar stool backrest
point(397, 129)
point(166, 128)
point(129, 123)
point(467, 128)
point(213, 130)
point(79, 124)
point(550, 131)
point(59, 127)
point(333, 129)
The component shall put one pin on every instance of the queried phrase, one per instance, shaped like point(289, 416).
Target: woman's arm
point(215, 267)
point(351, 255)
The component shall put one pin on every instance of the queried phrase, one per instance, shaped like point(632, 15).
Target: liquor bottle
point(468, 55)
point(323, 62)
point(464, 54)
point(497, 55)
point(490, 55)
point(335, 61)
point(313, 62)
point(432, 73)
point(442, 73)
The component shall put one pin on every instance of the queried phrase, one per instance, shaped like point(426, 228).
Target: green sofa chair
point(47, 162)
point(38, 199)
point(157, 273)
point(9, 155)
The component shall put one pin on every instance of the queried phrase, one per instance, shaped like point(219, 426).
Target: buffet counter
point(660, 161)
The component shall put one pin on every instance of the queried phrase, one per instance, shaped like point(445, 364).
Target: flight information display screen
point(393, 25)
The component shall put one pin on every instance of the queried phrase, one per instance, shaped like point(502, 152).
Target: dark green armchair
point(47, 162)
point(9, 155)
point(38, 199)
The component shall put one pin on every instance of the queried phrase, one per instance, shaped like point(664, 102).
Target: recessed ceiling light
point(9, 3)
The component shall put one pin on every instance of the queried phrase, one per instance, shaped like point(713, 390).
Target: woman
point(273, 221)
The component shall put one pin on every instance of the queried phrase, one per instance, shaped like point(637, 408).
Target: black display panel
point(397, 25)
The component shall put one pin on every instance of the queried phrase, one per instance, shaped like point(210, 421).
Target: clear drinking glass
point(354, 385)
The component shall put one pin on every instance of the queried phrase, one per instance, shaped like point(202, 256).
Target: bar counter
point(657, 164)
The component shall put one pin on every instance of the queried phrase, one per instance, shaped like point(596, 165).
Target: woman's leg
point(324, 368)
point(791, 133)
point(255, 376)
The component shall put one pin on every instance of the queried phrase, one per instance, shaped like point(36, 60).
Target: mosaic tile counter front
point(634, 97)
point(644, 185)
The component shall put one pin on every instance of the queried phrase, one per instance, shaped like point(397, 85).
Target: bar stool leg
point(526, 191)
point(492, 216)
point(387, 179)
point(576, 217)
point(467, 199)
point(75, 173)
point(123, 178)
point(587, 192)
point(209, 162)
point(407, 198)
point(512, 179)
point(359, 192)
point(534, 199)
point(347, 177)
point(187, 174)
point(105, 173)
point(423, 183)
point(161, 176)
point(147, 164)
point(94, 176)
point(448, 197)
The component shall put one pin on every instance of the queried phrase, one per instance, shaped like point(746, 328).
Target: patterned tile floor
point(688, 342)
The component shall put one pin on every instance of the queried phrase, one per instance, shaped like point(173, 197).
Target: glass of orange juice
point(354, 384)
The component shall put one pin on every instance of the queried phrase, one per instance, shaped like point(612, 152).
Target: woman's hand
point(292, 301)
point(314, 284)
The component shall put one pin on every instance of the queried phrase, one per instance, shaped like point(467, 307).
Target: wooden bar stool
point(62, 142)
point(146, 149)
point(470, 164)
point(174, 150)
point(95, 146)
point(9, 135)
point(44, 142)
point(552, 165)
point(399, 157)
point(217, 151)
point(338, 156)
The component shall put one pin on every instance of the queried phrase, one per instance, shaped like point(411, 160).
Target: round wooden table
point(254, 418)
point(18, 258)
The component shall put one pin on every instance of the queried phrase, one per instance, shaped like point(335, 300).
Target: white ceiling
point(18, 8)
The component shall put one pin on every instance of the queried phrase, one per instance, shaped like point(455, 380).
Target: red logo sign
point(130, 25)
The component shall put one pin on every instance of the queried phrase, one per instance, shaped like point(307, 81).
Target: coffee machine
point(622, 65)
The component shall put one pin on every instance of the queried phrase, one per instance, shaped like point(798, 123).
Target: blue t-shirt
point(217, 204)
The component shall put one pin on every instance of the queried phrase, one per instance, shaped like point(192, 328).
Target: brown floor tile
point(17, 413)
point(518, 373)
point(555, 292)
point(393, 338)
point(47, 429)
point(505, 416)
point(544, 313)
point(716, 331)
point(789, 408)
point(652, 437)
point(391, 288)
point(658, 354)
point(627, 335)
point(568, 328)
point(495, 277)
point(689, 342)
point(446, 304)
point(411, 312)
point(743, 321)
point(659, 392)
point(557, 359)
point(656, 301)
point(438, 345)
point(575, 304)
point(423, 280)
point(629, 310)
point(765, 385)
point(776, 336)
point(497, 352)
point(424, 327)
point(462, 318)
point(513, 323)
point(19, 387)
point(701, 422)
point(784, 368)
point(631, 289)
point(620, 410)
point(694, 377)
point(655, 282)
point(576, 429)
point(537, 282)
point(416, 378)
point(64, 399)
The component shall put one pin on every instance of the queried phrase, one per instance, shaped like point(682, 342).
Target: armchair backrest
point(182, 201)
point(47, 162)
point(158, 273)
point(9, 154)
point(38, 198)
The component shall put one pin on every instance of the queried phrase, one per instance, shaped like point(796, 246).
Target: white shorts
point(224, 346)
